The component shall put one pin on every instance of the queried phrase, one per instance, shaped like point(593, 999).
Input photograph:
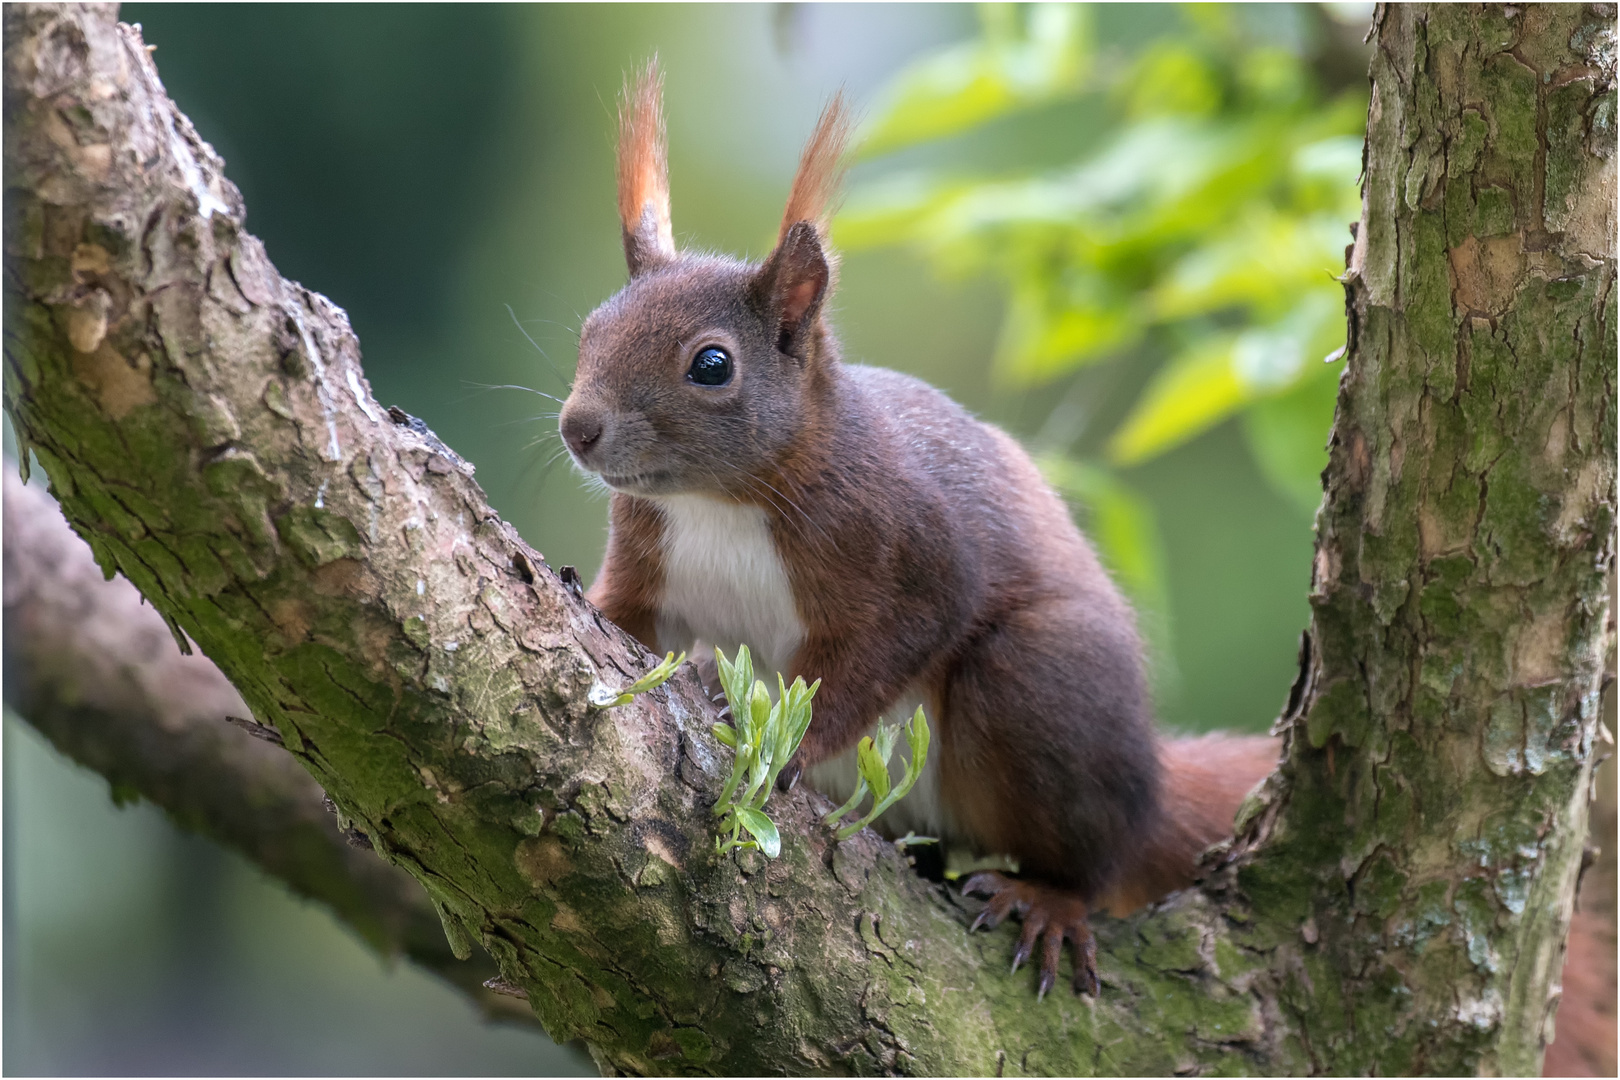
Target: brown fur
point(636, 533)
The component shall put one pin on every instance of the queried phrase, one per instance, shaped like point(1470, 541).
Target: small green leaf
point(657, 676)
point(762, 829)
point(918, 736)
point(603, 697)
point(874, 769)
point(759, 715)
point(726, 734)
point(737, 679)
point(887, 736)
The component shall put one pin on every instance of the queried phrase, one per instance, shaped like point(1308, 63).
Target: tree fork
point(1398, 896)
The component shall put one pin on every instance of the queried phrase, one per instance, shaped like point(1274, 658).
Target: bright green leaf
point(762, 829)
point(874, 769)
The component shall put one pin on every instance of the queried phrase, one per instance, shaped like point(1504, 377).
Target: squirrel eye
point(711, 367)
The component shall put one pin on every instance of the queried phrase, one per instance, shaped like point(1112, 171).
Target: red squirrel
point(855, 525)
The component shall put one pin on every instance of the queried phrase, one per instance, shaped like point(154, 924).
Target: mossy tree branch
point(95, 671)
point(1409, 871)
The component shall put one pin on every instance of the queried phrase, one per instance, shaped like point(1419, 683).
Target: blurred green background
point(1112, 230)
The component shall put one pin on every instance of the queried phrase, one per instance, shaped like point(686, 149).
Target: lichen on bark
point(1397, 897)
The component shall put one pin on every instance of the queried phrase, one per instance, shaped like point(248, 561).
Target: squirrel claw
point(1045, 984)
point(1050, 916)
point(1035, 921)
point(789, 776)
point(1020, 954)
point(1003, 900)
point(1085, 967)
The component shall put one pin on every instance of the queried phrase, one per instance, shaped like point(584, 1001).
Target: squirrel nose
point(581, 432)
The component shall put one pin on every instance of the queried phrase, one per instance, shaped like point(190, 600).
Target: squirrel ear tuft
point(799, 273)
point(821, 170)
point(644, 171)
point(792, 284)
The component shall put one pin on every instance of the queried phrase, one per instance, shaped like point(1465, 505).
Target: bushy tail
point(1205, 781)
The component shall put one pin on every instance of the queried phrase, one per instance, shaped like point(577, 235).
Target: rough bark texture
point(1442, 748)
point(96, 672)
point(1398, 897)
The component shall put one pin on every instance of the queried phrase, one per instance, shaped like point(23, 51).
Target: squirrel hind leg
point(1050, 916)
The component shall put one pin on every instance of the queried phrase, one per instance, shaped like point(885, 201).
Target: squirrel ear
point(644, 172)
point(792, 284)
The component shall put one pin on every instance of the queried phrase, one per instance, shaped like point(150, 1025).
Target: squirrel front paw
point(1048, 913)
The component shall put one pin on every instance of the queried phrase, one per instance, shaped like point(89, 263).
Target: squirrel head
point(703, 371)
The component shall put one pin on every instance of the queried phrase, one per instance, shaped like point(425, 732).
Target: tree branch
point(96, 672)
point(207, 429)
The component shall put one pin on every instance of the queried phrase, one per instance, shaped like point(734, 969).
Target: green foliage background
point(1112, 230)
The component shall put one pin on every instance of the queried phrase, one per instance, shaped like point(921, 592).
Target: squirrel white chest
point(724, 582)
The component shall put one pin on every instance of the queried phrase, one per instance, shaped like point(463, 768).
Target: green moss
point(1280, 890)
point(1493, 212)
point(202, 568)
point(1340, 710)
point(100, 504)
point(1427, 284)
point(1231, 963)
point(1516, 519)
point(1566, 138)
point(1440, 603)
point(1462, 156)
point(1510, 92)
point(157, 557)
point(1459, 219)
point(1380, 887)
point(416, 630)
point(1476, 915)
point(1169, 944)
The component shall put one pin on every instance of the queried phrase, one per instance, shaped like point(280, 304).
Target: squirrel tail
point(1207, 778)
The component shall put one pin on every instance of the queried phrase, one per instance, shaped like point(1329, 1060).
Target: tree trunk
point(1461, 611)
point(1399, 892)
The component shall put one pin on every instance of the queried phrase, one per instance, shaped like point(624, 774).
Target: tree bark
point(1399, 892)
point(95, 671)
point(1460, 596)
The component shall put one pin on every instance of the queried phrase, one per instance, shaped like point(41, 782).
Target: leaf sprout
point(765, 737)
point(872, 759)
point(602, 697)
